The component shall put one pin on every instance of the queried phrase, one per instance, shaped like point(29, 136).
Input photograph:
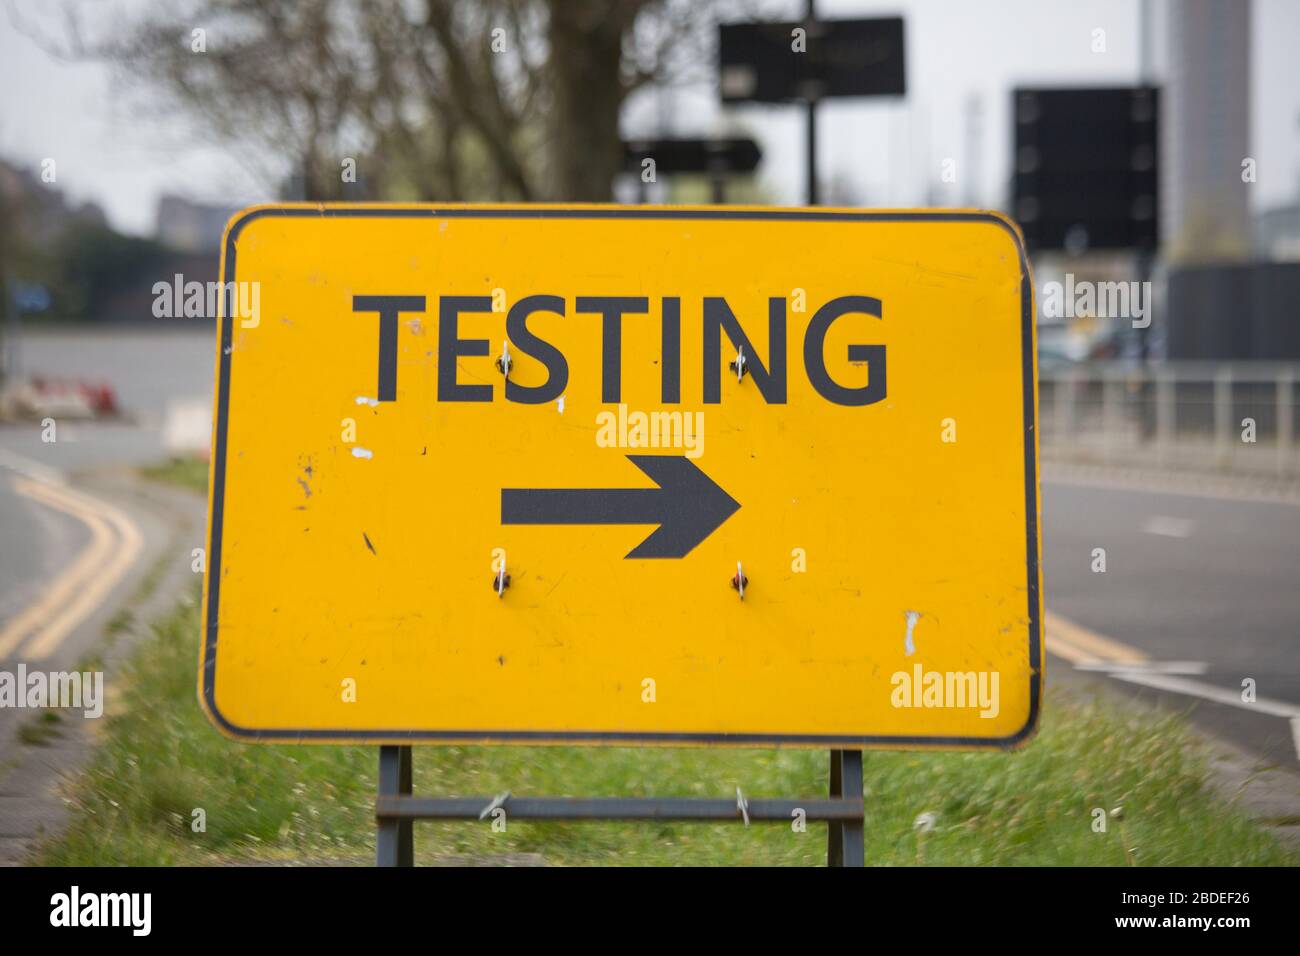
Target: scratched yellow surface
point(377, 570)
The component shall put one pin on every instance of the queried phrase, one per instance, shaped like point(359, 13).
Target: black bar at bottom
point(618, 808)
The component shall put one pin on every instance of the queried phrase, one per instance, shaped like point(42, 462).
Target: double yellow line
point(115, 543)
point(1078, 645)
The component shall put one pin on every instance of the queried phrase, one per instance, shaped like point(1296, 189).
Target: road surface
point(1199, 595)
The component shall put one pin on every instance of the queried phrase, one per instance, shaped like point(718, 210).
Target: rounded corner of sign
point(223, 725)
point(1028, 731)
point(1011, 227)
point(244, 217)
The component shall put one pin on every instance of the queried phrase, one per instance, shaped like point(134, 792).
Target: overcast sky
point(881, 152)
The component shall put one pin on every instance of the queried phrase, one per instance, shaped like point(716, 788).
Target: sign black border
point(838, 741)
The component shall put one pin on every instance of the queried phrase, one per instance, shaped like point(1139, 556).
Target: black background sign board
point(1086, 166)
point(736, 155)
point(758, 64)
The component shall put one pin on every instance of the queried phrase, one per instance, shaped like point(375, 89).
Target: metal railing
point(1217, 416)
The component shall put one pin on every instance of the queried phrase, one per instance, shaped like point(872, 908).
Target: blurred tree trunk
point(585, 72)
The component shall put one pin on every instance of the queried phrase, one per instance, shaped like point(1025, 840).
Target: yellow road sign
point(608, 475)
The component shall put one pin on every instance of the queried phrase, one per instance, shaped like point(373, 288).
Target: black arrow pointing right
point(688, 506)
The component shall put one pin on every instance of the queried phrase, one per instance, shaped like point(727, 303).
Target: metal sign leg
point(395, 842)
point(844, 846)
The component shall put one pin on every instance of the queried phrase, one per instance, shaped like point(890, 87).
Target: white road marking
point(31, 469)
point(1168, 527)
point(1146, 667)
point(1090, 651)
point(1196, 688)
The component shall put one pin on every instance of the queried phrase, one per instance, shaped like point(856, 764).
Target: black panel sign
point(771, 63)
point(693, 155)
point(1086, 165)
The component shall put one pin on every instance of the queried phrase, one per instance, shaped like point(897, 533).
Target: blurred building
point(186, 226)
point(1205, 130)
point(1234, 311)
point(38, 210)
point(1277, 231)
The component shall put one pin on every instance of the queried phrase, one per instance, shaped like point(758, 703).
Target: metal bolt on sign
point(739, 366)
point(740, 582)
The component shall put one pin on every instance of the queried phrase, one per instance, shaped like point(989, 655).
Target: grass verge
point(161, 761)
point(184, 472)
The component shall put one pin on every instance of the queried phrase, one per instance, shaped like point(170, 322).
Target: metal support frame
point(1166, 410)
point(844, 841)
point(810, 152)
point(1285, 420)
point(395, 841)
point(1223, 415)
point(396, 809)
point(810, 129)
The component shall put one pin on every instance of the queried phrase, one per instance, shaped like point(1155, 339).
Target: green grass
point(161, 760)
point(188, 472)
point(41, 729)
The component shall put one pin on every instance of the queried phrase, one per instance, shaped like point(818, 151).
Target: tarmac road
point(1206, 589)
point(54, 526)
